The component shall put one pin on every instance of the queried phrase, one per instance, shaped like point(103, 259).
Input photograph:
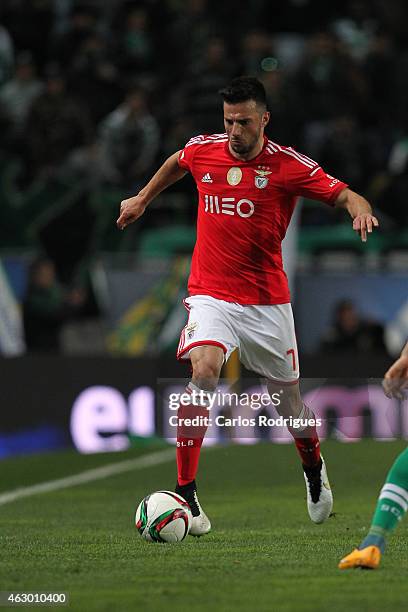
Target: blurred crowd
point(104, 90)
point(351, 332)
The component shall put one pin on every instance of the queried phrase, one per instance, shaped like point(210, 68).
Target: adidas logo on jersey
point(207, 178)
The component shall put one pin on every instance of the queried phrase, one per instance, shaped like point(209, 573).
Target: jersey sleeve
point(186, 155)
point(304, 177)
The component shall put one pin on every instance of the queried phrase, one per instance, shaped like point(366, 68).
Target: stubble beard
point(243, 149)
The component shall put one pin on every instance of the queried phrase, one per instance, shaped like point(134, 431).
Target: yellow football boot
point(367, 558)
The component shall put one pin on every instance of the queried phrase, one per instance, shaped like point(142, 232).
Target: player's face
point(245, 123)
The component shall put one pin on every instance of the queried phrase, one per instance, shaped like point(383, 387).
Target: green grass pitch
point(263, 552)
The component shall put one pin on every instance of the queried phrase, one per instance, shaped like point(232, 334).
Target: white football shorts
point(264, 335)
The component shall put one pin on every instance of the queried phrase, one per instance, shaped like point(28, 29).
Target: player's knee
point(206, 373)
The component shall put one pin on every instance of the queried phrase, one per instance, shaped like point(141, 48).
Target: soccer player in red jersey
point(238, 291)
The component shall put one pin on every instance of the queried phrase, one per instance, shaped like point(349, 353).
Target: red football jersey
point(244, 209)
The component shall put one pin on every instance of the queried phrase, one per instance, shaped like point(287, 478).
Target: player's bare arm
point(359, 210)
point(133, 208)
point(396, 378)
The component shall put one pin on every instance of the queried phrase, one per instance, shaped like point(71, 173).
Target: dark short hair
point(242, 89)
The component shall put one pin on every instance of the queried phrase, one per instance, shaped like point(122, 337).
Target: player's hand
point(395, 381)
point(130, 210)
point(364, 224)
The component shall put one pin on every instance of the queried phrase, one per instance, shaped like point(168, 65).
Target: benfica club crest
point(261, 178)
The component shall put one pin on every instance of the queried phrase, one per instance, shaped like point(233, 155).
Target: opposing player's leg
point(319, 494)
point(391, 507)
point(206, 362)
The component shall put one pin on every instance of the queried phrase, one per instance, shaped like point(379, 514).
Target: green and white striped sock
point(392, 504)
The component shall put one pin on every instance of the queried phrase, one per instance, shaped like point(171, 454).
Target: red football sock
point(189, 441)
point(308, 449)
point(307, 441)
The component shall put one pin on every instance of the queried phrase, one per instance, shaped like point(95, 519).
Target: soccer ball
point(163, 516)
